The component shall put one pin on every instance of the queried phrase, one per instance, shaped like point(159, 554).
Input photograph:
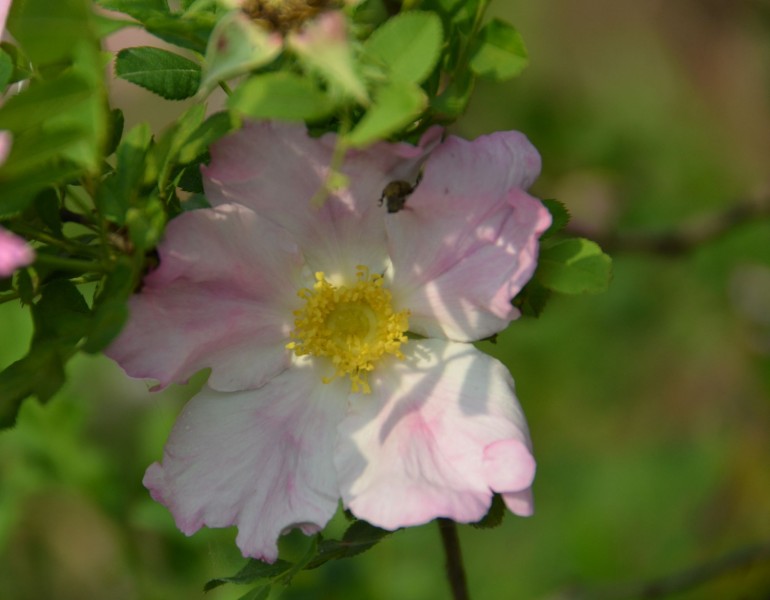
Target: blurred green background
point(649, 405)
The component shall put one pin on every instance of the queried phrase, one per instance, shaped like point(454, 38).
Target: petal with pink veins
point(467, 241)
point(260, 460)
point(441, 431)
point(222, 297)
point(276, 169)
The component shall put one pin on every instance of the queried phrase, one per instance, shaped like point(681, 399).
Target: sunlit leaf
point(574, 266)
point(407, 46)
point(395, 106)
point(499, 52)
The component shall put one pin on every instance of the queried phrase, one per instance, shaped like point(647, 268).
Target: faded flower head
point(338, 336)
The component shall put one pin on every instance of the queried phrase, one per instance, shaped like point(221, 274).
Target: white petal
point(261, 460)
point(441, 432)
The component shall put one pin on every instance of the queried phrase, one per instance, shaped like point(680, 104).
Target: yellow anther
point(353, 326)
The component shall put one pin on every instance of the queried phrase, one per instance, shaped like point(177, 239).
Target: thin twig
point(682, 581)
point(682, 241)
point(454, 561)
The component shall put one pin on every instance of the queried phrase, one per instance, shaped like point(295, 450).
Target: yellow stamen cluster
point(353, 326)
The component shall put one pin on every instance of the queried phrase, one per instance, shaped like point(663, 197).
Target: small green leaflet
point(574, 266)
point(395, 106)
point(408, 45)
point(499, 52)
point(162, 72)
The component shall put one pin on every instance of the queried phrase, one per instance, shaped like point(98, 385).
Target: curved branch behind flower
point(301, 312)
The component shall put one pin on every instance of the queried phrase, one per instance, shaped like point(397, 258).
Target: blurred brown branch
point(686, 580)
point(680, 241)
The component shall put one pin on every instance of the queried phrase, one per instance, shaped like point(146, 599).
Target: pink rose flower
point(316, 393)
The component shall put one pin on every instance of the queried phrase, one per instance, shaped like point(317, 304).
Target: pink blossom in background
point(14, 253)
point(316, 393)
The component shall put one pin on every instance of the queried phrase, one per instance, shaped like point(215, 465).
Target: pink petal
point(5, 6)
point(467, 241)
point(520, 503)
point(6, 139)
point(222, 297)
point(14, 253)
point(261, 460)
point(276, 169)
point(440, 433)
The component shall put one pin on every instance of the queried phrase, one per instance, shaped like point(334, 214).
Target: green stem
point(226, 88)
point(454, 561)
point(338, 158)
point(70, 264)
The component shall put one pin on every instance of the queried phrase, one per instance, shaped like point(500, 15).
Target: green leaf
point(23, 284)
point(50, 31)
point(559, 214)
point(110, 310)
point(574, 266)
point(162, 72)
point(146, 223)
point(21, 67)
point(408, 45)
point(40, 372)
point(251, 572)
point(47, 207)
point(139, 9)
point(532, 299)
point(39, 102)
point(259, 593)
point(167, 149)
point(499, 52)
point(358, 538)
point(117, 122)
point(16, 194)
point(237, 46)
point(322, 48)
point(191, 31)
point(208, 132)
point(395, 106)
point(61, 313)
point(453, 100)
point(282, 96)
point(119, 191)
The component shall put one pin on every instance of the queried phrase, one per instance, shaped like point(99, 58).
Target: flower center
point(353, 326)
